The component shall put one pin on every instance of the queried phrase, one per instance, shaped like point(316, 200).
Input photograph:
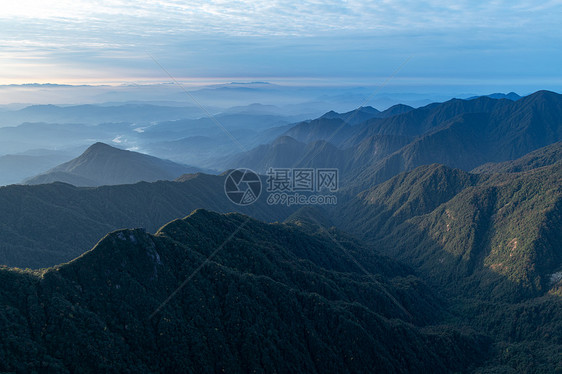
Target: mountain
point(336, 127)
point(541, 157)
point(498, 234)
point(286, 152)
point(508, 131)
point(44, 225)
point(181, 128)
point(421, 266)
point(510, 96)
point(366, 113)
point(395, 110)
point(355, 116)
point(96, 114)
point(420, 121)
point(203, 150)
point(480, 130)
point(489, 243)
point(274, 298)
point(102, 164)
point(333, 130)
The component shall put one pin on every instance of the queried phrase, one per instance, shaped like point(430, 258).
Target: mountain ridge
point(311, 314)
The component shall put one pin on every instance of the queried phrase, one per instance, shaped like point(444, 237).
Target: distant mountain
point(96, 114)
point(510, 96)
point(336, 128)
point(507, 131)
point(395, 110)
point(402, 138)
point(214, 151)
point(255, 108)
point(44, 225)
point(355, 116)
point(366, 113)
point(102, 164)
point(231, 121)
point(420, 121)
point(273, 299)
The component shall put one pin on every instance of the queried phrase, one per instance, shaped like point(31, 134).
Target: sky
point(484, 46)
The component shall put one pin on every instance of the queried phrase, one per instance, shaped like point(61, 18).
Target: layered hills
point(443, 254)
point(494, 233)
point(45, 225)
point(462, 134)
point(274, 298)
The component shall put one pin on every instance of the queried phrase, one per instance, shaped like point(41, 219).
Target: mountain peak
point(543, 94)
point(331, 114)
point(396, 109)
point(102, 164)
point(102, 147)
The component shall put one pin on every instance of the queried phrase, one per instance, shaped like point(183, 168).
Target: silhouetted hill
point(102, 164)
point(273, 299)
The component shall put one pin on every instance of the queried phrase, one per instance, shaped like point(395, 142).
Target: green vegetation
point(432, 270)
point(274, 299)
point(541, 157)
point(491, 244)
point(46, 225)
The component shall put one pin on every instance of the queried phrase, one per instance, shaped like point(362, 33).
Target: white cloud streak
point(89, 33)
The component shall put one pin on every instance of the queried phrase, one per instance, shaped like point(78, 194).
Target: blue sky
point(491, 45)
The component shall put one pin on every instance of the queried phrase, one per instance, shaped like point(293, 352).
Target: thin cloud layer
point(42, 41)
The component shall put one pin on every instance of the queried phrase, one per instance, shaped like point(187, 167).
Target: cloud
point(276, 17)
point(243, 37)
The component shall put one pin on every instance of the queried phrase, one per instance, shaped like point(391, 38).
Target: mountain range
point(443, 253)
point(48, 224)
point(480, 131)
